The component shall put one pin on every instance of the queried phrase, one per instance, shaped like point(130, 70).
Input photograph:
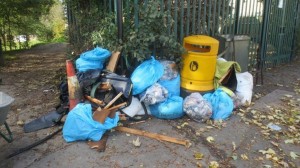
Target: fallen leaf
point(289, 141)
point(284, 164)
point(233, 146)
point(269, 151)
point(20, 123)
point(294, 155)
point(268, 156)
point(275, 159)
point(213, 164)
point(244, 157)
point(267, 166)
point(198, 156)
point(234, 157)
point(289, 96)
point(274, 143)
point(210, 139)
point(136, 142)
point(184, 124)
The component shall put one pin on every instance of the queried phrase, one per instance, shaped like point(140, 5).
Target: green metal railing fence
point(270, 24)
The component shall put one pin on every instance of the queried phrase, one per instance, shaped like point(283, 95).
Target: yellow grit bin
point(199, 63)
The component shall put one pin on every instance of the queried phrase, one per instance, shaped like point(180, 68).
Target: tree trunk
point(1, 55)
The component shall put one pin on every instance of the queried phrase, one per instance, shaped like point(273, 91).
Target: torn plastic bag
point(222, 104)
point(197, 108)
point(169, 109)
point(172, 85)
point(79, 124)
point(146, 74)
point(154, 94)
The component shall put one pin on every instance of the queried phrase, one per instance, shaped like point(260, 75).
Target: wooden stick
point(113, 100)
point(94, 100)
point(156, 136)
point(118, 106)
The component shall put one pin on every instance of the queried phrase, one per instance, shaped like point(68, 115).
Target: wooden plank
point(154, 136)
point(112, 64)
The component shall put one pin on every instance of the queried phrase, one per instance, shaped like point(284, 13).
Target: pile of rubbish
point(153, 88)
point(96, 99)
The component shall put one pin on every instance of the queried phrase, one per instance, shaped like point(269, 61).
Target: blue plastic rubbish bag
point(146, 74)
point(93, 59)
point(82, 65)
point(172, 85)
point(170, 109)
point(97, 54)
point(79, 124)
point(222, 104)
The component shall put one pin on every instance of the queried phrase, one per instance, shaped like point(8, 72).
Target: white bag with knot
point(244, 87)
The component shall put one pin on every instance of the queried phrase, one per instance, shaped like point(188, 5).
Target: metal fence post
point(263, 42)
point(120, 20)
point(237, 15)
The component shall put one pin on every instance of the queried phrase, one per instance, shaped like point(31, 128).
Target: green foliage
point(149, 37)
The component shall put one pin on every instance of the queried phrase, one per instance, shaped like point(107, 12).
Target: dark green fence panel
point(271, 41)
point(280, 32)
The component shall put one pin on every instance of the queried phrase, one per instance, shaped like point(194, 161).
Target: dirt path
point(32, 79)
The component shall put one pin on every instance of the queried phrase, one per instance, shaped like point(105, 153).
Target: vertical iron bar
point(199, 17)
point(214, 19)
point(264, 32)
point(169, 17)
point(120, 20)
point(162, 7)
point(218, 17)
point(281, 31)
point(194, 17)
point(181, 19)
point(188, 15)
point(231, 20)
point(176, 19)
point(295, 28)
point(237, 15)
point(109, 6)
point(209, 20)
point(136, 14)
point(204, 17)
point(246, 17)
point(223, 24)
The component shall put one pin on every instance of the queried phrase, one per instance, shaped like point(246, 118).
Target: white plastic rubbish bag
point(154, 94)
point(244, 87)
point(197, 108)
